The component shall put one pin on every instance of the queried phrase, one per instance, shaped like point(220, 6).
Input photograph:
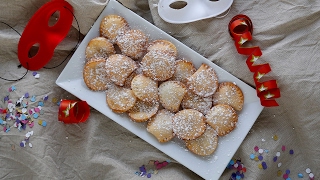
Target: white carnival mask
point(185, 11)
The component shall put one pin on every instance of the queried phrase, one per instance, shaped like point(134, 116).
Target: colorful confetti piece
point(308, 170)
point(260, 151)
point(252, 156)
point(33, 99)
point(45, 98)
point(275, 137)
point(152, 167)
point(275, 159)
point(291, 151)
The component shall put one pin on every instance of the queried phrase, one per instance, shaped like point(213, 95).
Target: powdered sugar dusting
point(158, 65)
point(133, 43)
point(188, 124)
point(204, 82)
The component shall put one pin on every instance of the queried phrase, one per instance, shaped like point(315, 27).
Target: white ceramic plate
point(210, 167)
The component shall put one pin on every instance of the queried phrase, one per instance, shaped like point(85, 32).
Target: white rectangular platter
point(210, 167)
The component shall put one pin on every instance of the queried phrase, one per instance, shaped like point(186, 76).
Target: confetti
point(279, 173)
point(34, 73)
point(35, 115)
point(256, 148)
point(300, 175)
point(275, 159)
point(283, 148)
point(31, 124)
point(275, 137)
point(260, 158)
point(264, 165)
point(6, 98)
point(311, 175)
point(42, 123)
point(23, 144)
point(37, 76)
point(260, 151)
point(152, 167)
point(40, 103)
point(252, 156)
point(308, 170)
point(285, 176)
point(37, 109)
point(278, 154)
point(291, 151)
point(26, 95)
point(12, 88)
point(287, 171)
point(54, 100)
point(13, 147)
point(279, 165)
point(33, 99)
point(260, 166)
point(45, 98)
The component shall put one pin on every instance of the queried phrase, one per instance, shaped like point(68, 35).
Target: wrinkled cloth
point(288, 33)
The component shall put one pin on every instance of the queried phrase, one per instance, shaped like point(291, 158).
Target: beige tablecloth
point(288, 33)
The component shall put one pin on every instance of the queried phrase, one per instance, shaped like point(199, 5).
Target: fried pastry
point(161, 126)
point(171, 94)
point(158, 65)
point(119, 67)
point(193, 101)
point(145, 88)
point(163, 45)
point(204, 82)
point(94, 75)
point(113, 25)
point(120, 99)
point(99, 47)
point(204, 145)
point(223, 118)
point(143, 111)
point(229, 93)
point(189, 124)
point(184, 69)
point(133, 43)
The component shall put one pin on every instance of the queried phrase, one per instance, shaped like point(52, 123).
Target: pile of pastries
point(150, 82)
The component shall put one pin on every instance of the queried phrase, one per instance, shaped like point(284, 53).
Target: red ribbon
point(73, 111)
point(240, 29)
point(48, 37)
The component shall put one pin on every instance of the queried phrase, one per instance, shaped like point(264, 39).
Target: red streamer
point(73, 111)
point(240, 29)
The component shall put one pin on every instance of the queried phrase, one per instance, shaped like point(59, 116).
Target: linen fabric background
point(288, 33)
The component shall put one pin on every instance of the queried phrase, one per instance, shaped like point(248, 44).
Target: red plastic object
point(73, 111)
point(240, 29)
point(48, 37)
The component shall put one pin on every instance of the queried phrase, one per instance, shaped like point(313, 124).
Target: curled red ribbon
point(73, 111)
point(240, 29)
